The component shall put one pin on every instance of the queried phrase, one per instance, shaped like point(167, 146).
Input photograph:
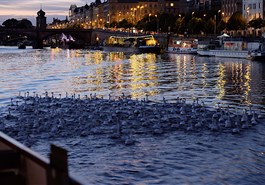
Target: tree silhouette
point(256, 23)
point(124, 24)
point(236, 22)
point(209, 26)
point(221, 26)
point(24, 23)
point(14, 23)
point(196, 25)
point(10, 23)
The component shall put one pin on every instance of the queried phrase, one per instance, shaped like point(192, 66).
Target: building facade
point(229, 7)
point(98, 13)
point(253, 9)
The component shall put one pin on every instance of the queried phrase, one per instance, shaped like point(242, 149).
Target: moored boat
point(21, 45)
point(148, 44)
point(258, 54)
point(223, 53)
point(136, 44)
point(182, 45)
point(226, 47)
point(149, 49)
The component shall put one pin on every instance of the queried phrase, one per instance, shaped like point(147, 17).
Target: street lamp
point(149, 16)
point(215, 24)
point(157, 24)
point(97, 21)
point(119, 16)
point(108, 19)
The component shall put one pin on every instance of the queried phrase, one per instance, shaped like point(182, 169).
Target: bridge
point(85, 36)
point(38, 35)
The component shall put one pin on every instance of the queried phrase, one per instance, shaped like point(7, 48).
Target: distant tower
point(41, 20)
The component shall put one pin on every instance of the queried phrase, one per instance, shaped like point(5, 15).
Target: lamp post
point(215, 25)
point(135, 14)
point(157, 23)
point(97, 22)
point(149, 16)
point(108, 19)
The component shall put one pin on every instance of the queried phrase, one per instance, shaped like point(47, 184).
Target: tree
point(141, 25)
point(196, 25)
point(236, 22)
point(148, 23)
point(256, 23)
point(209, 26)
point(10, 23)
point(179, 25)
point(14, 23)
point(113, 24)
point(24, 23)
point(124, 24)
point(221, 26)
point(167, 21)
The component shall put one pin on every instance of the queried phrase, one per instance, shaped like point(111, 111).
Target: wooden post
point(58, 173)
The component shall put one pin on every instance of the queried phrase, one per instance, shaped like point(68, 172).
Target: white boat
point(182, 50)
point(226, 47)
point(180, 45)
point(258, 54)
point(223, 53)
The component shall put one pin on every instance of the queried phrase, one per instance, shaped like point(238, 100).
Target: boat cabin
point(178, 43)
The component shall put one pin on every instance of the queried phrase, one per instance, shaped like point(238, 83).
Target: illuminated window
point(171, 4)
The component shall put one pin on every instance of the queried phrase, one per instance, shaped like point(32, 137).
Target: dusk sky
point(28, 8)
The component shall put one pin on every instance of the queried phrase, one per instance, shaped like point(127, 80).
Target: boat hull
point(149, 49)
point(260, 56)
point(224, 53)
point(181, 50)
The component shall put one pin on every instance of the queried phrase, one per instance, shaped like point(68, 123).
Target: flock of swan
point(32, 117)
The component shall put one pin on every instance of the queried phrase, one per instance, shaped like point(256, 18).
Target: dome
point(86, 6)
point(41, 13)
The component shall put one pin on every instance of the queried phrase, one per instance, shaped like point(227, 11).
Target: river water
point(172, 158)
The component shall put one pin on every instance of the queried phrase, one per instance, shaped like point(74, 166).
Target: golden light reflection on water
point(116, 56)
point(84, 71)
point(143, 74)
point(221, 81)
point(138, 75)
point(205, 71)
point(54, 53)
point(239, 80)
point(247, 88)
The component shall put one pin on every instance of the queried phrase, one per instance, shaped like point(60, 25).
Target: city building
point(199, 5)
point(174, 6)
point(253, 9)
point(229, 7)
point(58, 24)
point(98, 14)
